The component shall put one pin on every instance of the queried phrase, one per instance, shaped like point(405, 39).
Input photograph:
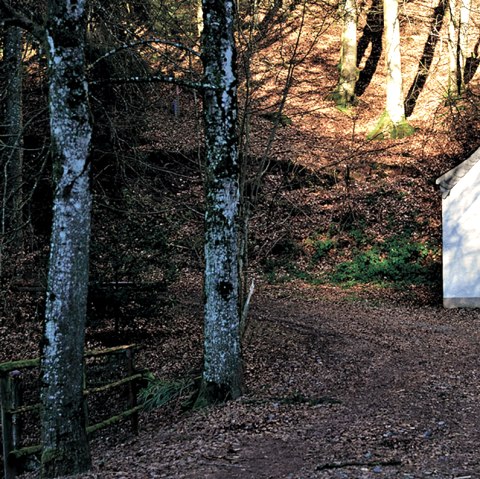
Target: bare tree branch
point(13, 17)
point(147, 41)
point(156, 79)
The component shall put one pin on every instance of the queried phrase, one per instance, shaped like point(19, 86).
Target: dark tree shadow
point(471, 65)
point(427, 58)
point(372, 34)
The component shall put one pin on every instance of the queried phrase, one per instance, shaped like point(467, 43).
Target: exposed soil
point(338, 386)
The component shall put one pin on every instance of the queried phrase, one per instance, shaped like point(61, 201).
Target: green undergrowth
point(160, 392)
point(342, 102)
point(398, 260)
point(356, 258)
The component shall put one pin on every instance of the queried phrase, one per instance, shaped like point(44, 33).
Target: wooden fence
point(12, 407)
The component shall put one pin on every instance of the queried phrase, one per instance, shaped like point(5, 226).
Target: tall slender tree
point(65, 445)
point(459, 19)
point(426, 59)
point(222, 378)
point(199, 18)
point(392, 122)
point(372, 35)
point(12, 156)
point(453, 87)
point(64, 440)
point(465, 7)
point(344, 95)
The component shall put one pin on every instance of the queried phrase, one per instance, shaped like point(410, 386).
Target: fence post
point(132, 390)
point(16, 402)
point(84, 387)
point(7, 428)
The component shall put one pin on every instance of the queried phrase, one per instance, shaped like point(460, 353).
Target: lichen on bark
point(64, 439)
point(222, 377)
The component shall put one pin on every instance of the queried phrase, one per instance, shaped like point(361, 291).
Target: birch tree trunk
point(453, 74)
point(64, 440)
point(465, 7)
point(394, 106)
point(222, 378)
point(199, 18)
point(393, 121)
point(12, 158)
point(344, 94)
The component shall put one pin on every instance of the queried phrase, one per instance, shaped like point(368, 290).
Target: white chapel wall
point(461, 242)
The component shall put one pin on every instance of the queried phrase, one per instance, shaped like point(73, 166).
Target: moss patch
point(342, 101)
point(385, 127)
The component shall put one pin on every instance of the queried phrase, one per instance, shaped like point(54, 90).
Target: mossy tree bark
point(64, 440)
point(392, 122)
point(12, 156)
point(222, 378)
point(344, 95)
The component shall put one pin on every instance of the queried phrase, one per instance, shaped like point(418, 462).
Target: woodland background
point(345, 239)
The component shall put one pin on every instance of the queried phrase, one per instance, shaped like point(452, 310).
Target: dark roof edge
point(449, 179)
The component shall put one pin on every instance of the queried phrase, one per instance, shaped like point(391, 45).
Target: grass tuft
point(159, 392)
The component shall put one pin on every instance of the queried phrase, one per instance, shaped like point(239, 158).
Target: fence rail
point(12, 408)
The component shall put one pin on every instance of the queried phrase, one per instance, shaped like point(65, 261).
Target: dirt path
point(406, 379)
point(336, 389)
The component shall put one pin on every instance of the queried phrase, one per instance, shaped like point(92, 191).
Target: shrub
point(398, 260)
point(321, 248)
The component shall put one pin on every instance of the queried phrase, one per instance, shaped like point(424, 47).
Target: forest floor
point(339, 384)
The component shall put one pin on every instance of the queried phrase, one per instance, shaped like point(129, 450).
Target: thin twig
point(148, 41)
point(156, 79)
point(341, 465)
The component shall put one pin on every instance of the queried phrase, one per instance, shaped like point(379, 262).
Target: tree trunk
point(465, 6)
point(459, 18)
point(64, 440)
point(372, 35)
point(199, 18)
point(222, 377)
point(453, 74)
point(12, 158)
point(392, 121)
point(344, 95)
point(395, 106)
point(426, 59)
